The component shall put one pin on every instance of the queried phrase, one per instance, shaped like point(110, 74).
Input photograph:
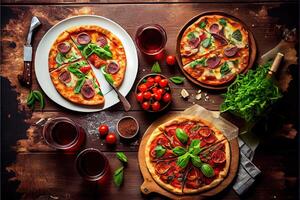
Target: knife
point(124, 101)
point(26, 77)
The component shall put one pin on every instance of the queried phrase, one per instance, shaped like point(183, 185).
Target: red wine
point(92, 163)
point(63, 133)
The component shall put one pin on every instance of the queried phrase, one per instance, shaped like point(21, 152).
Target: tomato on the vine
point(157, 79)
point(147, 95)
point(143, 87)
point(154, 90)
point(160, 91)
point(146, 105)
point(167, 98)
point(139, 97)
point(156, 106)
point(157, 96)
point(150, 81)
point(163, 83)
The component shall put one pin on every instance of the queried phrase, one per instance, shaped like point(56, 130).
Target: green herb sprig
point(156, 68)
point(177, 79)
point(35, 96)
point(119, 176)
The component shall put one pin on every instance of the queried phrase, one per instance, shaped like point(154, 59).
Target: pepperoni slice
point(192, 174)
point(87, 91)
point(213, 62)
point(83, 38)
point(230, 51)
point(220, 38)
point(102, 41)
point(64, 47)
point(162, 167)
point(65, 76)
point(205, 131)
point(194, 42)
point(210, 139)
point(214, 28)
point(218, 157)
point(112, 67)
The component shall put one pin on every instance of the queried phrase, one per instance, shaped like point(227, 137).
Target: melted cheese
point(73, 81)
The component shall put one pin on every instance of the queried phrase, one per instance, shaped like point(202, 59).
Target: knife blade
point(26, 77)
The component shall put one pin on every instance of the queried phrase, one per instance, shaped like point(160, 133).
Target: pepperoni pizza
point(214, 49)
point(187, 155)
point(71, 57)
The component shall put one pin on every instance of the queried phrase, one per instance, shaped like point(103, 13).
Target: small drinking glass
point(92, 165)
point(151, 39)
point(64, 134)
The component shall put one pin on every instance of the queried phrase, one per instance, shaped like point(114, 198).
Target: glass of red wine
point(92, 164)
point(64, 134)
point(151, 39)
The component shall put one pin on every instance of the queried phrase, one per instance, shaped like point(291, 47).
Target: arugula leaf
point(156, 68)
point(191, 35)
point(160, 151)
point(182, 161)
point(237, 35)
point(225, 69)
point(79, 85)
point(181, 135)
point(59, 58)
point(107, 76)
point(76, 71)
point(201, 62)
point(196, 161)
point(122, 157)
point(223, 22)
point(91, 48)
point(202, 24)
point(179, 151)
point(177, 79)
point(118, 176)
point(206, 43)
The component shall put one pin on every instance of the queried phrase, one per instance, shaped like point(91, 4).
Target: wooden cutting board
point(150, 185)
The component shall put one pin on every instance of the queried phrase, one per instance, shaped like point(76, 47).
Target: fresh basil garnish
point(181, 135)
point(237, 35)
point(59, 58)
point(191, 35)
point(91, 48)
point(76, 72)
point(194, 147)
point(207, 170)
point(79, 85)
point(202, 24)
point(206, 43)
point(156, 68)
point(177, 79)
point(225, 69)
point(182, 161)
point(201, 62)
point(107, 76)
point(122, 157)
point(223, 22)
point(179, 151)
point(196, 161)
point(159, 151)
point(118, 176)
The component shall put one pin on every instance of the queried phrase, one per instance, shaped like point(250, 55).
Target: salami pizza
point(72, 55)
point(214, 49)
point(187, 155)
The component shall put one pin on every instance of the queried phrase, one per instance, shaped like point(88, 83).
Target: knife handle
point(26, 77)
point(123, 99)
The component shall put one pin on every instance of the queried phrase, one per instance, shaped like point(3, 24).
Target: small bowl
point(128, 137)
point(145, 77)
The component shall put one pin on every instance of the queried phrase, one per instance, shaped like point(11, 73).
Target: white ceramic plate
point(111, 98)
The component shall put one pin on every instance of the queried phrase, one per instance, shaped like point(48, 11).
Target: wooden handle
point(26, 77)
point(276, 63)
point(123, 100)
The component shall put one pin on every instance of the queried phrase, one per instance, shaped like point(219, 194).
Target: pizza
point(187, 155)
point(74, 52)
point(214, 49)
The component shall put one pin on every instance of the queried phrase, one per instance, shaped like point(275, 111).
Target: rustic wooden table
point(31, 170)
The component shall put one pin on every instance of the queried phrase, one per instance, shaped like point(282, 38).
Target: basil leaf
point(177, 79)
point(191, 35)
point(202, 24)
point(182, 161)
point(122, 157)
point(223, 22)
point(196, 161)
point(76, 71)
point(201, 62)
point(72, 58)
point(237, 35)
point(181, 135)
point(59, 58)
point(206, 43)
point(39, 97)
point(79, 85)
point(207, 170)
point(78, 64)
point(91, 48)
point(156, 68)
point(107, 76)
point(160, 151)
point(179, 151)
point(118, 176)
point(225, 69)
point(194, 148)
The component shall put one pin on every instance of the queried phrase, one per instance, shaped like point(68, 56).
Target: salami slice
point(87, 91)
point(65, 76)
point(218, 156)
point(102, 41)
point(83, 38)
point(112, 67)
point(214, 28)
point(230, 51)
point(64, 47)
point(219, 38)
point(213, 62)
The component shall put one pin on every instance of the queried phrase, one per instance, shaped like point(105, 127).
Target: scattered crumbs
point(199, 91)
point(184, 93)
point(54, 197)
point(205, 94)
point(205, 99)
point(198, 96)
point(213, 101)
point(252, 25)
point(274, 196)
point(193, 102)
point(192, 95)
point(143, 70)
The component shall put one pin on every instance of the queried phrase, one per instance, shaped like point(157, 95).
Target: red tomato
point(163, 83)
point(161, 91)
point(218, 156)
point(157, 96)
point(85, 69)
point(146, 105)
point(167, 98)
point(103, 129)
point(147, 95)
point(150, 81)
point(111, 138)
point(154, 90)
point(171, 60)
point(156, 106)
point(139, 97)
point(157, 79)
point(143, 87)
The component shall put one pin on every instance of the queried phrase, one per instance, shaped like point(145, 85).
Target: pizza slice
point(102, 49)
point(77, 83)
point(63, 51)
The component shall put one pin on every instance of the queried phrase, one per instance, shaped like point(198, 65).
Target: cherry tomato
point(146, 105)
point(163, 83)
point(157, 79)
point(147, 95)
point(111, 138)
point(150, 81)
point(167, 98)
point(157, 96)
point(161, 91)
point(85, 69)
point(156, 106)
point(154, 90)
point(171, 60)
point(139, 97)
point(143, 87)
point(103, 129)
